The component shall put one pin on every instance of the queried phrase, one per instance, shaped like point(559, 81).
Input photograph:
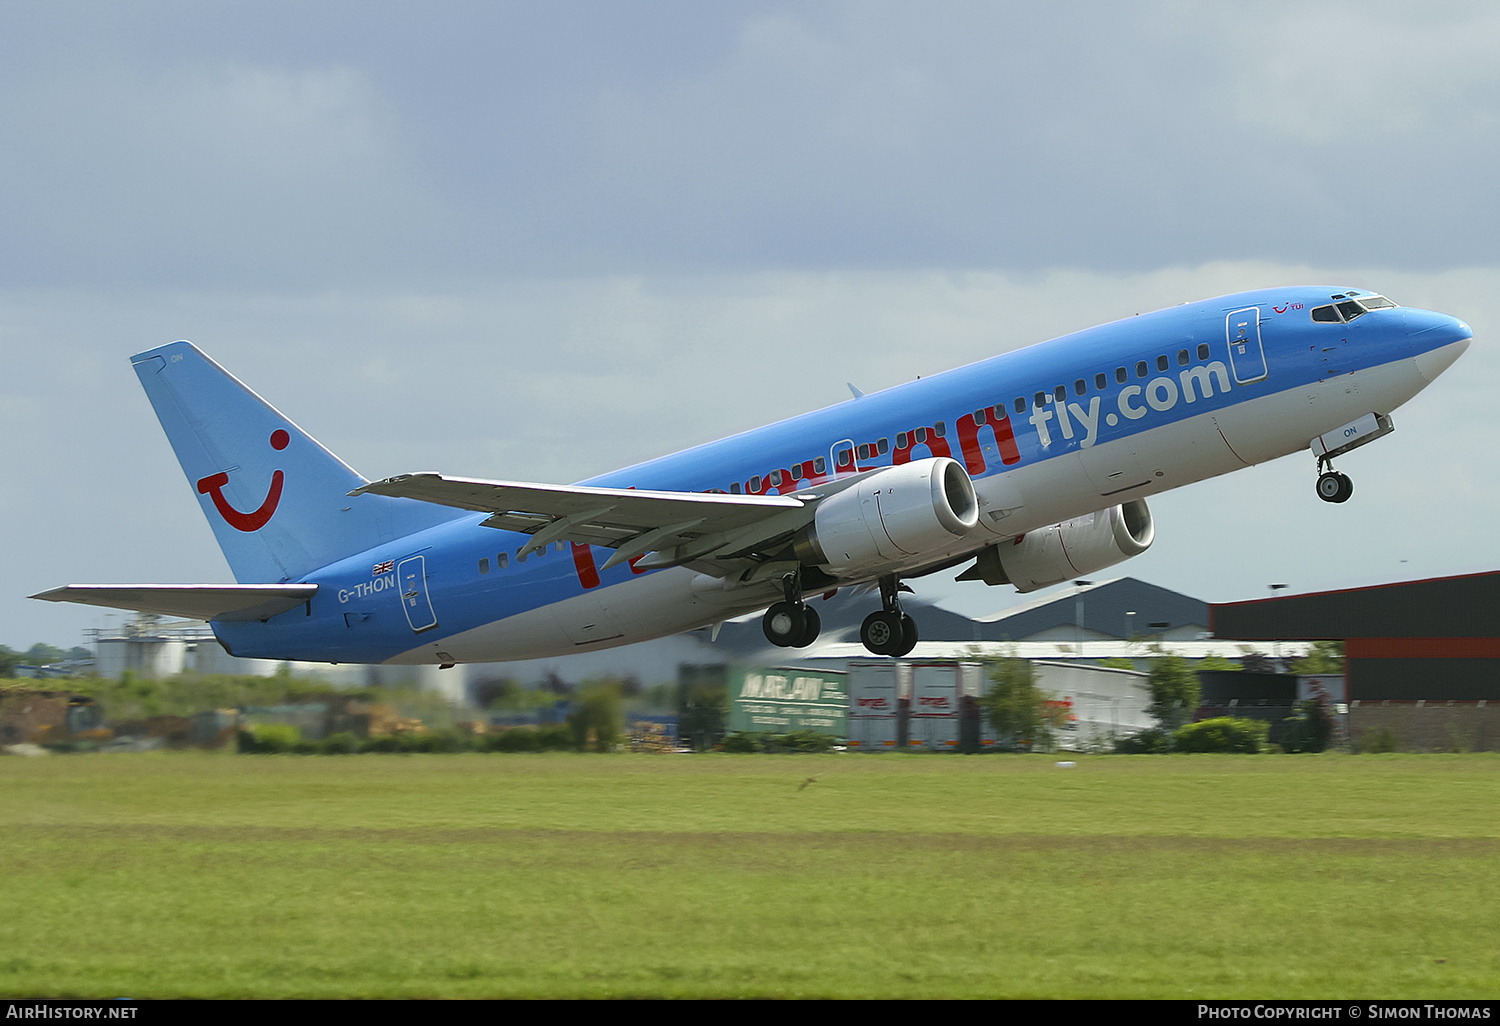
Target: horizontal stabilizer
point(193, 601)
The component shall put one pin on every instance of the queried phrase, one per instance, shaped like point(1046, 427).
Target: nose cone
point(1433, 330)
point(1439, 339)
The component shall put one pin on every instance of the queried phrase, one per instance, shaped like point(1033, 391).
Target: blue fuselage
point(1056, 430)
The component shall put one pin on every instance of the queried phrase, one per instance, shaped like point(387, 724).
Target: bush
point(742, 741)
point(1372, 742)
point(803, 741)
point(1310, 729)
point(1222, 734)
point(516, 739)
point(343, 743)
point(270, 739)
point(1152, 741)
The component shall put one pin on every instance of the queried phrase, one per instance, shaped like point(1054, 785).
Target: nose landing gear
point(1334, 487)
point(889, 631)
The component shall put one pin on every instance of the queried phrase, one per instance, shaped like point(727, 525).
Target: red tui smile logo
point(213, 486)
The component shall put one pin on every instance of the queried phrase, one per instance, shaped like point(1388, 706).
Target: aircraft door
point(411, 572)
point(1245, 353)
point(841, 457)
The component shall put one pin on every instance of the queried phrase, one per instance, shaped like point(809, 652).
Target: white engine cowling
point(1067, 550)
point(890, 516)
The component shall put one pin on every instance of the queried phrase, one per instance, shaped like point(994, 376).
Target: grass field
point(707, 876)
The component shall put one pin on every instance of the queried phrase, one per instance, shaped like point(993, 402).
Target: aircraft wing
point(673, 527)
point(193, 601)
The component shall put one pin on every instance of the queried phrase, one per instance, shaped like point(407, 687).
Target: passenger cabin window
point(1141, 370)
point(1161, 362)
point(1101, 382)
point(484, 566)
point(1182, 358)
point(1121, 375)
point(502, 560)
point(1203, 350)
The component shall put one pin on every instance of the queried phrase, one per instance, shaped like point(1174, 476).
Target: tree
point(42, 654)
point(1016, 707)
point(1257, 662)
point(598, 716)
point(1174, 691)
point(1325, 657)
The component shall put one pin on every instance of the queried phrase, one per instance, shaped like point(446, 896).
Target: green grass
point(184, 875)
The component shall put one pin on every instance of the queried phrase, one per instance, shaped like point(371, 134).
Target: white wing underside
point(664, 528)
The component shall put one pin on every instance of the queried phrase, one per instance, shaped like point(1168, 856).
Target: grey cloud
point(344, 146)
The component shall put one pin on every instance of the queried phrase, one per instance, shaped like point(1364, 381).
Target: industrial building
point(1422, 657)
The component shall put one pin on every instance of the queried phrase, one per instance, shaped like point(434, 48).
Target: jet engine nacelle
point(890, 516)
point(1067, 550)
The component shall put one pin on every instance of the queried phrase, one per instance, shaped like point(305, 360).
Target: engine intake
point(891, 515)
point(1084, 545)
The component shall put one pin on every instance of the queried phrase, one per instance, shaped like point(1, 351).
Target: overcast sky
point(574, 236)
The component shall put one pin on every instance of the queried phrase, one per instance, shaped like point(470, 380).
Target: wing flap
point(676, 526)
point(228, 602)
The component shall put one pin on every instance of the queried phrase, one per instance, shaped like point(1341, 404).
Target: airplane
point(1032, 467)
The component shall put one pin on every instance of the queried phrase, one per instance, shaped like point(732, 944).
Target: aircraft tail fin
point(276, 499)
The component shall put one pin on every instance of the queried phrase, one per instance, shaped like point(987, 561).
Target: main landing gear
point(791, 623)
point(889, 632)
point(1333, 486)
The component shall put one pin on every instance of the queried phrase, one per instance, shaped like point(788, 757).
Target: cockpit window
point(1347, 309)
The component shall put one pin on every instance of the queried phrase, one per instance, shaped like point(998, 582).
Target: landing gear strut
point(1333, 486)
point(889, 632)
point(791, 623)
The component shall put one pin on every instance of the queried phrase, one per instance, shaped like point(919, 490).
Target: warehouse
point(1422, 657)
